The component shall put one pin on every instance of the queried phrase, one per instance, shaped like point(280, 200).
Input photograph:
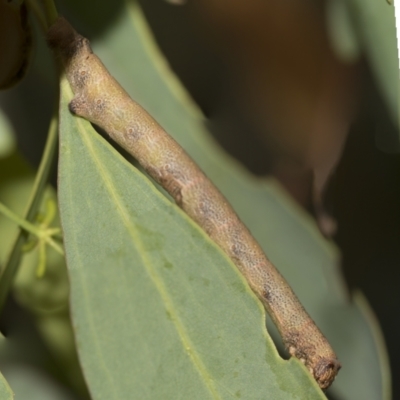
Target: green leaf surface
point(29, 384)
point(16, 180)
point(289, 237)
point(5, 391)
point(159, 311)
point(10, 177)
point(7, 140)
point(47, 297)
point(341, 30)
point(376, 26)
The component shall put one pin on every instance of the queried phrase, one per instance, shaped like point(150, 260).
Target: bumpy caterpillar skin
point(100, 99)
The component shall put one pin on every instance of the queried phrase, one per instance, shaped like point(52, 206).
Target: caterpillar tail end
point(325, 372)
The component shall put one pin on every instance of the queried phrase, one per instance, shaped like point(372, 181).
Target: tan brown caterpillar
point(101, 100)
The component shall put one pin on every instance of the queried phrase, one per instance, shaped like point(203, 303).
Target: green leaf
point(46, 298)
point(159, 311)
point(11, 265)
point(5, 390)
point(375, 24)
point(7, 141)
point(27, 382)
point(341, 30)
point(289, 237)
point(31, 384)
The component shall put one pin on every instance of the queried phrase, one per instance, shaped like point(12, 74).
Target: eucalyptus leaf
point(5, 390)
point(375, 24)
point(47, 297)
point(7, 140)
point(289, 237)
point(24, 381)
point(342, 31)
point(158, 309)
point(30, 384)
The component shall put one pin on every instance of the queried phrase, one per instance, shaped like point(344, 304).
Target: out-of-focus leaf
point(10, 267)
point(289, 237)
point(7, 141)
point(159, 311)
point(342, 31)
point(375, 24)
point(5, 391)
point(15, 182)
point(50, 292)
point(46, 297)
point(30, 384)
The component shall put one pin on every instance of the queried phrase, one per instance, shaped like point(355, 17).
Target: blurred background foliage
point(305, 91)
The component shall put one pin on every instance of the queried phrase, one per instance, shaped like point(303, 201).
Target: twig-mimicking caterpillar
point(100, 99)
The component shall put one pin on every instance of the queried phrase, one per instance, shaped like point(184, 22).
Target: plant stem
point(51, 242)
point(44, 234)
point(37, 10)
point(50, 12)
point(11, 266)
point(23, 223)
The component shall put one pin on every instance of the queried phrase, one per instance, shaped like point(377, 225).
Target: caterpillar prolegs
point(100, 99)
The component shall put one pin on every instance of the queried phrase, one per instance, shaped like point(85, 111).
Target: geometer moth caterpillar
point(100, 99)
